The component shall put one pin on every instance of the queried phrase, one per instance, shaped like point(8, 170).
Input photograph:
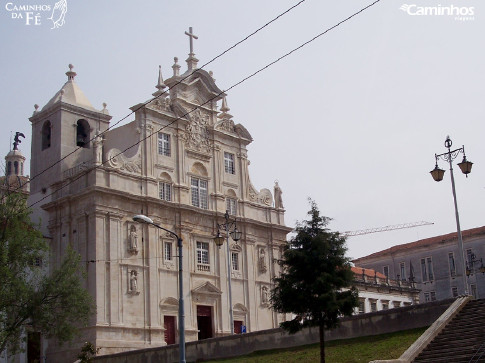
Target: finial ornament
point(192, 36)
point(71, 74)
point(176, 66)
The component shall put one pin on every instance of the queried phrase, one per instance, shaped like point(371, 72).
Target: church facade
point(183, 163)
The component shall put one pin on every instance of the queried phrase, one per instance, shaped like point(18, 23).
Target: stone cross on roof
point(192, 36)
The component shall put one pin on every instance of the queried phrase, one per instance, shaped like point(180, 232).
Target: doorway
point(204, 321)
point(169, 325)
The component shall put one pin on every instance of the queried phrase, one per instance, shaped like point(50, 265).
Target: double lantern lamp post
point(437, 174)
point(230, 228)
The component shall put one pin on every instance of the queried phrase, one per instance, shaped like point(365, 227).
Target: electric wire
point(217, 95)
point(140, 106)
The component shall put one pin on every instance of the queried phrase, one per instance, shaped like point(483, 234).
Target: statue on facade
point(133, 240)
point(17, 140)
point(98, 149)
point(262, 260)
point(133, 281)
point(264, 295)
point(278, 200)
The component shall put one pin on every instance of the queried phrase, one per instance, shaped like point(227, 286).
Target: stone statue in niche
point(262, 260)
point(278, 200)
point(133, 282)
point(264, 295)
point(133, 240)
point(98, 149)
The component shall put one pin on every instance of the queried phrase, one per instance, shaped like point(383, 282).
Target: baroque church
point(183, 162)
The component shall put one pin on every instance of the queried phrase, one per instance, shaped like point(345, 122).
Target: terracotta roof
point(432, 241)
point(367, 271)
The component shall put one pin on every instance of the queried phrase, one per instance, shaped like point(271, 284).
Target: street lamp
point(219, 241)
point(146, 220)
point(437, 174)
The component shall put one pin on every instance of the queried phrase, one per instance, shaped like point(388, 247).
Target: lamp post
point(146, 220)
point(437, 174)
point(219, 241)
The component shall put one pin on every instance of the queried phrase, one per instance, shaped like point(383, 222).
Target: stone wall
point(381, 322)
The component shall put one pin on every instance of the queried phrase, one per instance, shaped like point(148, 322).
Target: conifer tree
point(315, 281)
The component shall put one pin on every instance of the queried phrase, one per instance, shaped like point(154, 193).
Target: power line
point(164, 92)
point(217, 95)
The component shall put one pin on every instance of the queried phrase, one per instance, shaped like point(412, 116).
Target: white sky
point(352, 120)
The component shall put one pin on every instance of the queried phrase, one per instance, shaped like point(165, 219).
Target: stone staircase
point(462, 340)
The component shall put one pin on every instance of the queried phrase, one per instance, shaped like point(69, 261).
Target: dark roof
point(428, 242)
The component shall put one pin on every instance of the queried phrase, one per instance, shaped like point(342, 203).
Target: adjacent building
point(183, 162)
point(379, 292)
point(434, 265)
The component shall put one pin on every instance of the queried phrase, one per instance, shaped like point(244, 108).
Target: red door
point(204, 321)
point(169, 325)
point(237, 326)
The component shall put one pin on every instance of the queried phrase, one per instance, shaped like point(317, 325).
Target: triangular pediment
point(207, 289)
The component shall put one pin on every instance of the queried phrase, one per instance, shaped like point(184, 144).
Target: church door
point(169, 325)
point(204, 321)
point(237, 326)
point(33, 347)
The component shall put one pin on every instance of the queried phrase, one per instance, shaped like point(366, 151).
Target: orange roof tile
point(367, 271)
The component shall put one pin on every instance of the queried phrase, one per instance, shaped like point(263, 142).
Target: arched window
point(46, 135)
point(16, 167)
point(9, 168)
point(82, 134)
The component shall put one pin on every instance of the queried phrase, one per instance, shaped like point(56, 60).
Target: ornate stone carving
point(160, 104)
point(197, 134)
point(117, 160)
point(262, 197)
point(226, 125)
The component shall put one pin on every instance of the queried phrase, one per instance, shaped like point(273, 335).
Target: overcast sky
point(352, 120)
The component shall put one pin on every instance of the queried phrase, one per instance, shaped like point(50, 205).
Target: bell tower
point(62, 135)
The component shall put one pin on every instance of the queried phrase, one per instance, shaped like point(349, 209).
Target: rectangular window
point(199, 193)
point(361, 306)
point(385, 306)
point(373, 306)
point(424, 272)
point(454, 291)
point(235, 261)
point(203, 256)
point(168, 251)
point(451, 262)
point(229, 163)
point(426, 297)
point(429, 262)
point(473, 291)
point(402, 268)
point(432, 295)
point(469, 257)
point(163, 144)
point(231, 206)
point(165, 191)
point(386, 271)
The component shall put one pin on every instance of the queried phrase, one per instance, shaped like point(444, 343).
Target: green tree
point(32, 296)
point(315, 281)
